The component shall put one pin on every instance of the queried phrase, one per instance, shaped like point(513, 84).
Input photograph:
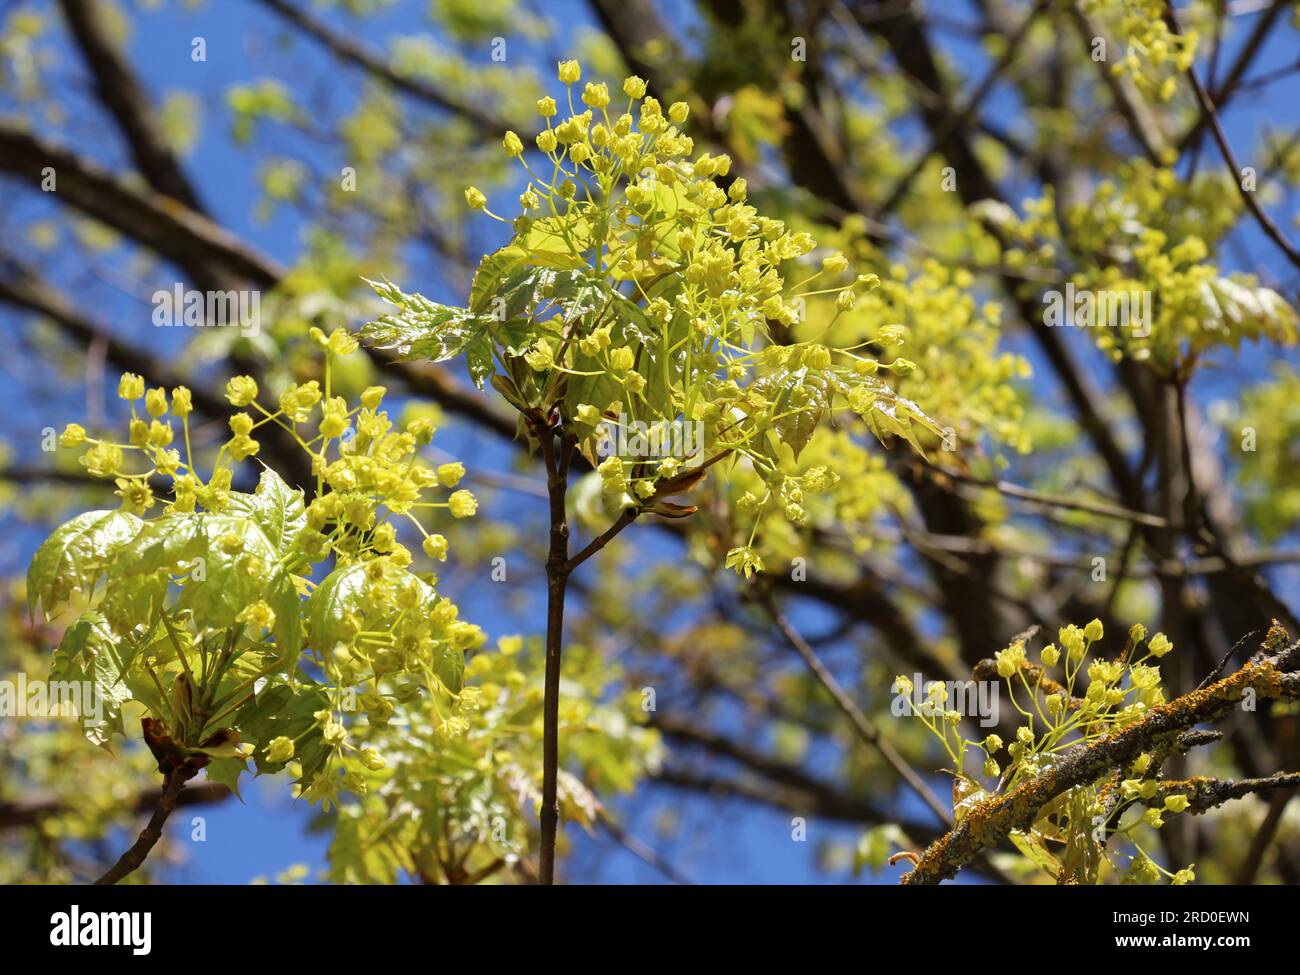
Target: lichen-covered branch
point(1271, 674)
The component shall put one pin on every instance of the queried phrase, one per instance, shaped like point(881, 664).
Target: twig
point(850, 710)
point(958, 115)
point(1053, 500)
point(1212, 117)
point(628, 516)
point(173, 782)
point(640, 850)
point(346, 49)
point(1205, 793)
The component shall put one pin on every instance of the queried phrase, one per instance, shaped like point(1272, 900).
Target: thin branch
point(1206, 793)
point(850, 710)
point(956, 116)
point(1233, 82)
point(173, 782)
point(1141, 123)
point(628, 516)
point(346, 49)
point(24, 288)
point(1051, 500)
point(1259, 843)
point(640, 850)
point(1211, 115)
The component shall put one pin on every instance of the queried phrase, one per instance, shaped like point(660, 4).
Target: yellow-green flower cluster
point(1154, 56)
point(1087, 698)
point(673, 309)
point(375, 633)
point(1147, 287)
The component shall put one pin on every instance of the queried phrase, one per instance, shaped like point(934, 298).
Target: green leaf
point(529, 290)
point(449, 665)
point(91, 654)
point(279, 709)
point(478, 359)
point(226, 771)
point(350, 591)
point(630, 328)
point(228, 749)
point(423, 329)
point(1033, 847)
point(491, 275)
point(354, 855)
point(76, 555)
point(1081, 861)
point(227, 563)
point(547, 242)
point(393, 598)
point(1243, 311)
point(799, 399)
point(276, 508)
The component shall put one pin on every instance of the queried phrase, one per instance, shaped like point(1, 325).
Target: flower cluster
point(1151, 291)
point(1155, 56)
point(260, 625)
point(473, 778)
point(1096, 696)
point(642, 287)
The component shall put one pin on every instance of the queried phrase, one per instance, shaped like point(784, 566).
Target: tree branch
point(204, 250)
point(348, 50)
point(1268, 676)
point(861, 726)
point(1211, 116)
point(173, 782)
point(118, 89)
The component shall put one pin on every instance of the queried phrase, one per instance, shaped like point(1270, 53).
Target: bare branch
point(122, 95)
point(346, 49)
point(1211, 116)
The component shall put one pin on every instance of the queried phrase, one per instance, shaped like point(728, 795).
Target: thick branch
point(118, 89)
point(31, 811)
point(993, 820)
point(207, 252)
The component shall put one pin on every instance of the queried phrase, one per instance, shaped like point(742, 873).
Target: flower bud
point(130, 386)
point(280, 750)
point(462, 504)
point(570, 72)
point(74, 435)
